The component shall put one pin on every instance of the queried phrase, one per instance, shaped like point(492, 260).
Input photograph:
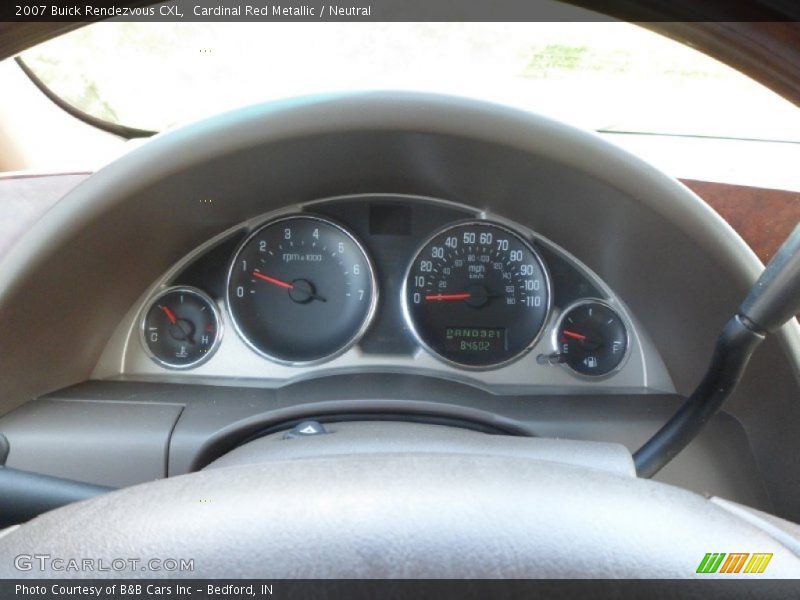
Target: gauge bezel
point(625, 323)
point(528, 242)
point(368, 318)
point(187, 289)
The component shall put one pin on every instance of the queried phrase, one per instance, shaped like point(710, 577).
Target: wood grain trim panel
point(763, 217)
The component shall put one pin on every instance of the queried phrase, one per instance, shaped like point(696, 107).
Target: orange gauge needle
point(273, 281)
point(444, 297)
point(185, 327)
point(170, 315)
point(573, 335)
point(305, 290)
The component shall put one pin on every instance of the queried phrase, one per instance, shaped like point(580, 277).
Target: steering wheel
point(407, 500)
point(375, 500)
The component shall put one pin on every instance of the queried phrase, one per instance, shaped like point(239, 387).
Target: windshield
point(602, 76)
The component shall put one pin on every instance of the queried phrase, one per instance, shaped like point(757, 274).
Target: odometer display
point(475, 339)
point(301, 289)
point(477, 295)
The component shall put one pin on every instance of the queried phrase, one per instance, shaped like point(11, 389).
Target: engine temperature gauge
point(592, 338)
point(181, 328)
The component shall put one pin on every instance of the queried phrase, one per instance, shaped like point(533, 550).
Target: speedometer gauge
point(301, 289)
point(477, 295)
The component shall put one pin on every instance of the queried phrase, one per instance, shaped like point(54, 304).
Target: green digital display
point(475, 339)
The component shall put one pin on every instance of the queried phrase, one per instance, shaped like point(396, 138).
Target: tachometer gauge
point(477, 295)
point(301, 289)
point(181, 328)
point(592, 338)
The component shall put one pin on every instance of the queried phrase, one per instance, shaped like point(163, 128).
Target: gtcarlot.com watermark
point(48, 563)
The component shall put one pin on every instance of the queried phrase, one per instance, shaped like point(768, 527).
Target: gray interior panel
point(215, 420)
point(108, 443)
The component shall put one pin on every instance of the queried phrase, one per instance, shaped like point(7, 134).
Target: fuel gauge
point(181, 328)
point(592, 338)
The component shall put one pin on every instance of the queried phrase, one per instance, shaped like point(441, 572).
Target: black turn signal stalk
point(773, 300)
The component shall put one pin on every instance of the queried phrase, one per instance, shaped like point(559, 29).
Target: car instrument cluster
point(386, 275)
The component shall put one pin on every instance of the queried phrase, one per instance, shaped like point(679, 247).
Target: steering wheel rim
point(125, 191)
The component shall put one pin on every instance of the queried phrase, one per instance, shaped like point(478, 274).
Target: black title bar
point(399, 10)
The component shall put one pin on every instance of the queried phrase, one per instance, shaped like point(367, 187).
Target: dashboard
point(515, 276)
point(383, 282)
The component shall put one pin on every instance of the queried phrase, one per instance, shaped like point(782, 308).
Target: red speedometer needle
point(170, 315)
point(573, 335)
point(441, 297)
point(273, 281)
